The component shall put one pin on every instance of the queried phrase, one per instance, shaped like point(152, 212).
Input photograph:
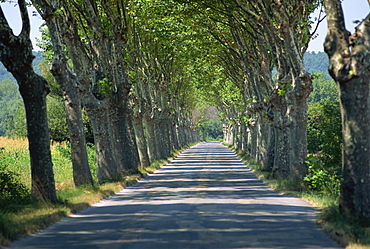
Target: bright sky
point(353, 10)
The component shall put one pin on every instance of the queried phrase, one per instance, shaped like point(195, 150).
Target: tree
point(68, 89)
point(158, 53)
point(349, 67)
point(16, 55)
point(95, 45)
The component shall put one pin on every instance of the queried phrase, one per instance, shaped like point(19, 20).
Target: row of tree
point(126, 87)
point(267, 116)
point(135, 65)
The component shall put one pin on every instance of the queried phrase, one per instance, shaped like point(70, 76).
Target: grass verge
point(346, 232)
point(27, 218)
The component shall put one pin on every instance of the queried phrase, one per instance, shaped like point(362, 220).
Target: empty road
point(205, 198)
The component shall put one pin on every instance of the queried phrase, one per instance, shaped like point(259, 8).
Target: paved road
point(205, 198)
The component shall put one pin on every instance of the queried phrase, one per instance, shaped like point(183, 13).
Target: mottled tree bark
point(141, 140)
point(151, 138)
point(71, 89)
point(350, 68)
point(16, 55)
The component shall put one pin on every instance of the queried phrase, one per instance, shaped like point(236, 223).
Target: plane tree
point(349, 66)
point(95, 41)
point(157, 54)
point(16, 55)
point(282, 32)
point(69, 89)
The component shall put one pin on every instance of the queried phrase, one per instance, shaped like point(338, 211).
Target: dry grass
point(13, 144)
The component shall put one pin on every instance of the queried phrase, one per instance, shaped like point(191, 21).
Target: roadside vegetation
point(321, 185)
point(20, 216)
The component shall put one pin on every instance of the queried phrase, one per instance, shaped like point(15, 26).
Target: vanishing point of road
point(205, 198)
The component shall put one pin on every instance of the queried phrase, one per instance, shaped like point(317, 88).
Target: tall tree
point(349, 67)
point(157, 57)
point(71, 95)
point(94, 34)
point(284, 28)
point(16, 55)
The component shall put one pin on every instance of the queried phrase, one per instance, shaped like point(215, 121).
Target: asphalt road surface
point(205, 198)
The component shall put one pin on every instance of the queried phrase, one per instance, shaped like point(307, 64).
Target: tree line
point(137, 68)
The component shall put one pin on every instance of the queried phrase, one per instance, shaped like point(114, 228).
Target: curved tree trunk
point(69, 84)
point(16, 55)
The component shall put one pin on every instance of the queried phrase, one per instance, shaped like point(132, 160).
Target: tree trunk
point(350, 69)
point(43, 183)
point(151, 139)
point(282, 155)
point(106, 167)
point(69, 84)
point(16, 55)
point(298, 135)
point(141, 140)
point(270, 150)
point(124, 143)
point(80, 162)
point(253, 140)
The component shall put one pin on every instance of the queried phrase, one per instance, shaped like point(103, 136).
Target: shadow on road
point(205, 198)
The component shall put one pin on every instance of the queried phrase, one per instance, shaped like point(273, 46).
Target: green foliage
point(64, 150)
point(324, 89)
point(12, 191)
point(343, 229)
point(324, 132)
point(320, 178)
point(212, 129)
point(324, 140)
point(104, 87)
point(57, 119)
point(208, 121)
point(17, 126)
point(92, 159)
point(9, 101)
point(284, 87)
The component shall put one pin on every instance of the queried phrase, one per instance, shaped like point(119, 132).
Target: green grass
point(348, 233)
point(30, 216)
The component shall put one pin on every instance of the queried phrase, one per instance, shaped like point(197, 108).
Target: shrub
point(320, 178)
point(12, 191)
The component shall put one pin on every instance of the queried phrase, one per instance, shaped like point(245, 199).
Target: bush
point(321, 179)
point(12, 192)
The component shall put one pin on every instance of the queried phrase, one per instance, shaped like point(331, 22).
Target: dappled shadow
point(206, 198)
